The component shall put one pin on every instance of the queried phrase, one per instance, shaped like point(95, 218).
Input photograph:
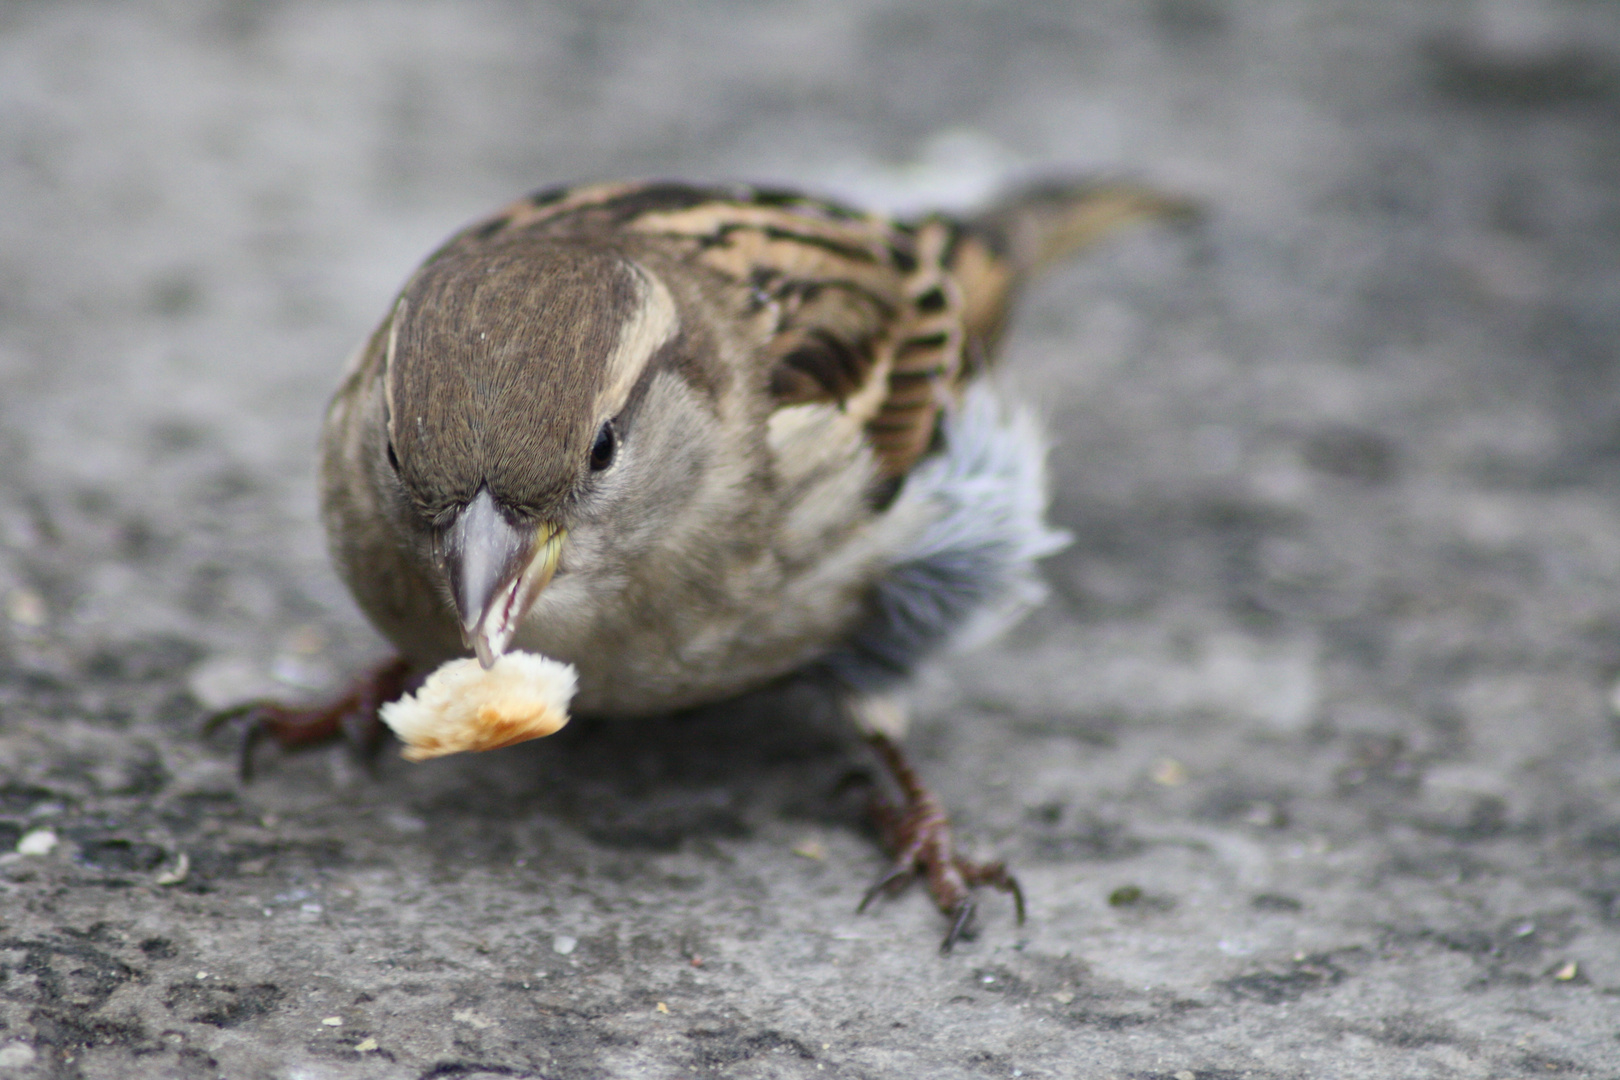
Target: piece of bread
point(461, 706)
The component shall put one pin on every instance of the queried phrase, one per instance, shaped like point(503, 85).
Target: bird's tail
point(1031, 228)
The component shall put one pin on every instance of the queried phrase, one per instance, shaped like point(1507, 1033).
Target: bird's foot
point(352, 716)
point(919, 833)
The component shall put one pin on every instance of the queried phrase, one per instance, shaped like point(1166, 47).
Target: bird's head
point(535, 417)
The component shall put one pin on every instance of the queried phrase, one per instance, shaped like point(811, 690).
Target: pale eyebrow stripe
point(388, 362)
point(653, 323)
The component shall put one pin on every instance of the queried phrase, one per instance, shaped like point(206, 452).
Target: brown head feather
point(498, 365)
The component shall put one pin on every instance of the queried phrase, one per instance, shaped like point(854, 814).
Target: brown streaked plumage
point(692, 439)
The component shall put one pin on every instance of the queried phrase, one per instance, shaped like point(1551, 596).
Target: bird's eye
point(603, 449)
point(393, 458)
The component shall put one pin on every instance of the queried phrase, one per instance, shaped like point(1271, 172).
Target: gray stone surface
point(1309, 767)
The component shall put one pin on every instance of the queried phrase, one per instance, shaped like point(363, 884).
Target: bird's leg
point(352, 715)
point(918, 832)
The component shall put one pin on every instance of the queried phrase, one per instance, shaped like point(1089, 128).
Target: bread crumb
point(463, 707)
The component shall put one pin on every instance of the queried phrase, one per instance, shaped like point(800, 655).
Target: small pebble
point(25, 607)
point(181, 870)
point(16, 1055)
point(810, 849)
point(1169, 772)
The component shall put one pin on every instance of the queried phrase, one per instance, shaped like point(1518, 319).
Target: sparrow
point(694, 439)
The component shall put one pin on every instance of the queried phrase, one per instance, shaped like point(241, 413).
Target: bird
point(698, 438)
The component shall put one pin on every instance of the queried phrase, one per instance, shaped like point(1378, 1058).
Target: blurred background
point(1309, 766)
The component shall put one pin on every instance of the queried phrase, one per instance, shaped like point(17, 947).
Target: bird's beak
point(496, 570)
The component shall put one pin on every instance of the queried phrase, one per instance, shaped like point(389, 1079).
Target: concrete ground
point(1309, 767)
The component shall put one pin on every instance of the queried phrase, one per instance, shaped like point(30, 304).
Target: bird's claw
point(352, 716)
point(893, 877)
point(919, 833)
point(960, 918)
